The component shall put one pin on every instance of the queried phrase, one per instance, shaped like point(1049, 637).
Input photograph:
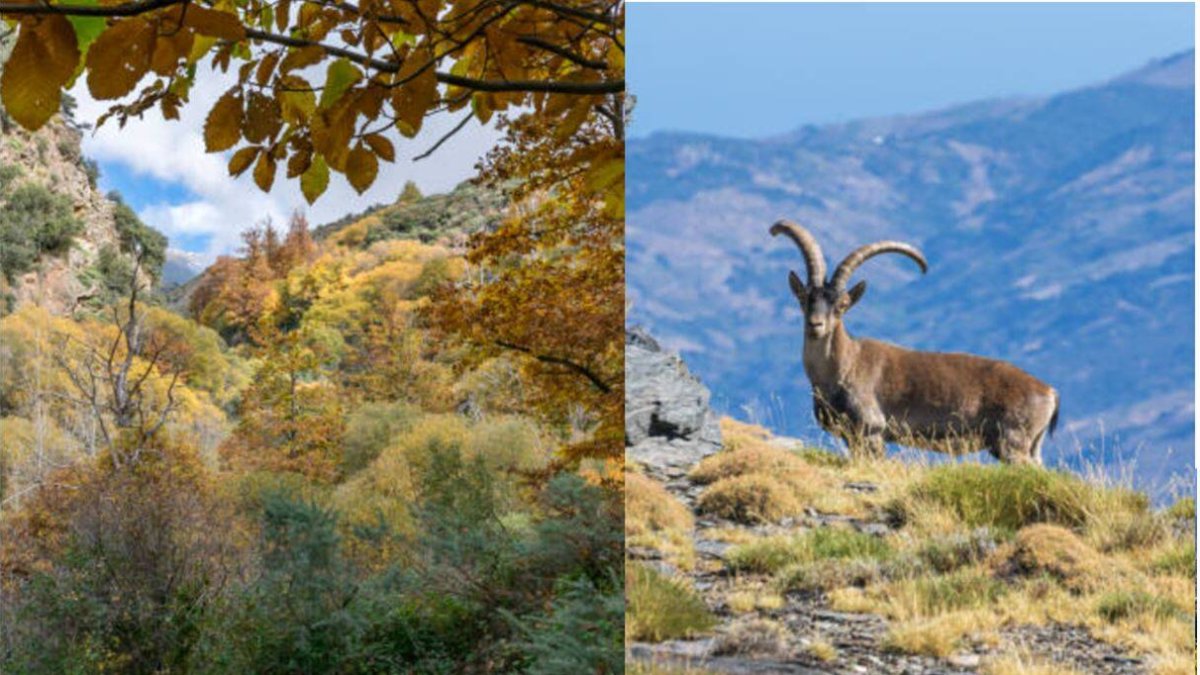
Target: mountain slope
point(1059, 233)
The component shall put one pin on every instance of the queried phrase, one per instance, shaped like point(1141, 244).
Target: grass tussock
point(772, 554)
point(1009, 497)
point(751, 499)
point(754, 459)
point(661, 608)
point(1058, 553)
point(1178, 560)
point(649, 508)
point(753, 636)
point(654, 518)
point(1119, 605)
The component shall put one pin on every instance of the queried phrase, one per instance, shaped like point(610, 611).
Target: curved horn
point(813, 258)
point(864, 253)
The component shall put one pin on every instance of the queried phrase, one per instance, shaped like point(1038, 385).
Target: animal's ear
point(856, 293)
point(798, 288)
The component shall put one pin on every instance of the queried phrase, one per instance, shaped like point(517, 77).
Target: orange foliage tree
point(549, 282)
point(321, 86)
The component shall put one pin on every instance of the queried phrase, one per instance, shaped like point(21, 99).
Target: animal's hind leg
point(1015, 447)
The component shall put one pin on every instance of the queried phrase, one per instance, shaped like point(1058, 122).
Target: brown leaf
point(301, 58)
point(413, 99)
point(119, 58)
point(266, 67)
point(299, 162)
point(264, 172)
point(242, 159)
point(263, 118)
point(223, 127)
point(382, 147)
point(215, 23)
point(170, 50)
point(40, 64)
point(361, 168)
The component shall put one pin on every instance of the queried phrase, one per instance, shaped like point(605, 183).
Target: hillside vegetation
point(770, 552)
point(302, 473)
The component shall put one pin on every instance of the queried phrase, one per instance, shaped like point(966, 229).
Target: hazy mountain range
point(1059, 233)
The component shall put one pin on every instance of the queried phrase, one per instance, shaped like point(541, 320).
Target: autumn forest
point(386, 444)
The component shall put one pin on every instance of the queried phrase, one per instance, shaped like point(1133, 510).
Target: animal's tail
point(1054, 417)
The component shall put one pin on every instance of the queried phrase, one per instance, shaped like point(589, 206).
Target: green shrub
point(771, 554)
point(1009, 497)
point(582, 633)
point(135, 235)
point(659, 608)
point(33, 221)
point(1125, 604)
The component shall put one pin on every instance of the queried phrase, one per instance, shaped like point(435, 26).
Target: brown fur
point(870, 393)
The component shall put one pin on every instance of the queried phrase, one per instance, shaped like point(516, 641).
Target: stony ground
point(857, 639)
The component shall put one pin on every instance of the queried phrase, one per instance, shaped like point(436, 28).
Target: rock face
point(668, 423)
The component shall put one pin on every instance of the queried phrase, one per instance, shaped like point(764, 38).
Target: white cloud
point(221, 206)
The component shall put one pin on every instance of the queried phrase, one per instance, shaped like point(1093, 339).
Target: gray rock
point(668, 423)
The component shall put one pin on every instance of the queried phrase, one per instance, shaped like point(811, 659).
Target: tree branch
point(567, 54)
point(560, 361)
point(457, 128)
point(123, 9)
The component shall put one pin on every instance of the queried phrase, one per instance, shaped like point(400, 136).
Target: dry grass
point(756, 459)
point(753, 637)
point(753, 597)
point(1057, 552)
point(772, 554)
point(656, 519)
point(660, 608)
point(752, 499)
point(938, 636)
point(1024, 663)
point(822, 650)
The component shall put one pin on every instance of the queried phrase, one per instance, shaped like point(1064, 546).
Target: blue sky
point(752, 70)
point(163, 172)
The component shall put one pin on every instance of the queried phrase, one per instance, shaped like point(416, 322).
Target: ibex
point(870, 393)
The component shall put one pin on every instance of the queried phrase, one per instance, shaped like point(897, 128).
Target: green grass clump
point(771, 554)
point(1125, 604)
point(660, 608)
point(818, 457)
point(963, 589)
point(1180, 561)
point(1184, 509)
point(1009, 497)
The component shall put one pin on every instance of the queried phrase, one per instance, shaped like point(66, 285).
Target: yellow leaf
point(223, 127)
point(264, 172)
point(242, 159)
point(315, 179)
point(382, 147)
point(215, 23)
point(119, 58)
point(361, 168)
point(41, 62)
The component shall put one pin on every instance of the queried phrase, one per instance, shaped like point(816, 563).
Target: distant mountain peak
point(1175, 72)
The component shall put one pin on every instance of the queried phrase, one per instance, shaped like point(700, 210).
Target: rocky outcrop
point(51, 157)
point(669, 425)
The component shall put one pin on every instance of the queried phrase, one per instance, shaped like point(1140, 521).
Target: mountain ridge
point(1066, 218)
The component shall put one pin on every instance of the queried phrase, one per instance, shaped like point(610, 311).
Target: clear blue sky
point(750, 70)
